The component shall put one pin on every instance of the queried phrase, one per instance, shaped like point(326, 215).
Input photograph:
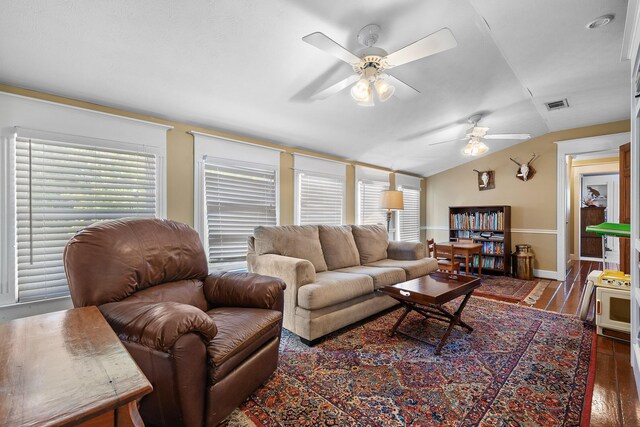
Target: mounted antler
point(525, 171)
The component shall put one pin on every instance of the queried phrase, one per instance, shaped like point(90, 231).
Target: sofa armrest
point(295, 272)
point(157, 325)
point(234, 289)
point(406, 251)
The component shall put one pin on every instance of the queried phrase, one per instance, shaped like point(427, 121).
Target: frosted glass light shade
point(384, 89)
point(361, 91)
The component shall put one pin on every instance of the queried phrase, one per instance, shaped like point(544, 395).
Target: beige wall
point(180, 161)
point(578, 168)
point(533, 203)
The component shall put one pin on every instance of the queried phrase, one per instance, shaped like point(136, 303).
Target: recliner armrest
point(235, 289)
point(157, 325)
point(405, 251)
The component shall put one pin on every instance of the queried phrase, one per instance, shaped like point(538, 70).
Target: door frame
point(564, 149)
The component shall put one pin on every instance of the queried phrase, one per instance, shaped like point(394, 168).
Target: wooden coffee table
point(427, 295)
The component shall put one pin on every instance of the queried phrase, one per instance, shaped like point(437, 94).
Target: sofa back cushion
point(372, 242)
point(296, 241)
point(338, 246)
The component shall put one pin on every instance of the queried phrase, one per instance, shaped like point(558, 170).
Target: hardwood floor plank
point(628, 394)
point(605, 406)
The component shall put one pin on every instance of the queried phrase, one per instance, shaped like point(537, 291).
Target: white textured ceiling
point(240, 66)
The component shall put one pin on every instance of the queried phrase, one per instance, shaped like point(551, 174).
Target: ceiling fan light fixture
point(361, 91)
point(384, 89)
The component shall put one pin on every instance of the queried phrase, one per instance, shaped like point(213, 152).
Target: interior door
point(625, 205)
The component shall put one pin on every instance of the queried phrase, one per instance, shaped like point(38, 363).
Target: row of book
point(477, 235)
point(478, 220)
point(490, 262)
point(496, 248)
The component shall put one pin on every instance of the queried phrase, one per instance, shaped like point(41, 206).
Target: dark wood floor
point(615, 399)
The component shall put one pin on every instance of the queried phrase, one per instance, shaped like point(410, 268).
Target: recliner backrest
point(111, 260)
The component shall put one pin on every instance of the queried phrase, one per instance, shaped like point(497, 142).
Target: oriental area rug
point(519, 367)
point(510, 289)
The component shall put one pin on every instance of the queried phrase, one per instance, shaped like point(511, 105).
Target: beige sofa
point(332, 272)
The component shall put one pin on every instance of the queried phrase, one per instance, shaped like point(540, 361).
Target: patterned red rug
point(511, 289)
point(520, 367)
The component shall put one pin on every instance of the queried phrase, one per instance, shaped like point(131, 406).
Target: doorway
point(599, 202)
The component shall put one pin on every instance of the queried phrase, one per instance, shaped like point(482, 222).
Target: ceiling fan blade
point(451, 140)
point(403, 90)
point(324, 43)
point(508, 136)
point(430, 45)
point(334, 88)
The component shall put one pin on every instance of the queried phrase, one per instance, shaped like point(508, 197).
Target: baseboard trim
point(546, 274)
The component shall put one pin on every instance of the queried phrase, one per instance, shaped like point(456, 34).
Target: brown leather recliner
point(205, 342)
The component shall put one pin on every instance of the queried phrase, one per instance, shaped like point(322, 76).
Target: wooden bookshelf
point(489, 225)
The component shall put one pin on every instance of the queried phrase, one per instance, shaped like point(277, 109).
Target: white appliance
point(613, 302)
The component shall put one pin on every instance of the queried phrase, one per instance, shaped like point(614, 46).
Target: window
point(320, 199)
point(409, 217)
point(239, 197)
point(370, 185)
point(236, 190)
point(369, 193)
point(319, 190)
point(62, 187)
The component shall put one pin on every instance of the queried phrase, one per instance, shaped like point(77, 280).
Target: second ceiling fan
point(371, 63)
point(476, 134)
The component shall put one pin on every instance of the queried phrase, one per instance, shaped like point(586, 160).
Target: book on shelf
point(477, 220)
point(490, 262)
point(494, 248)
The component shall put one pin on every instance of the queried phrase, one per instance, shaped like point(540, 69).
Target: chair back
point(111, 260)
point(443, 251)
point(430, 247)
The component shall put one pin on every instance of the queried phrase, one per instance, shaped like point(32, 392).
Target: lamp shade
point(391, 199)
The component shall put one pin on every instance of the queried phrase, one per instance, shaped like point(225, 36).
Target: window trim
point(296, 192)
point(8, 234)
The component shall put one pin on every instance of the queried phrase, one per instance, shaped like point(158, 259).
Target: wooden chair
point(430, 249)
point(446, 259)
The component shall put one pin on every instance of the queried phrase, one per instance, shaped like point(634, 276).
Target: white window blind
point(62, 188)
point(369, 210)
point(239, 197)
point(320, 198)
point(409, 217)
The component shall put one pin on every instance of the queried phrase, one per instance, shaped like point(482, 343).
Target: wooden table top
point(462, 245)
point(436, 288)
point(64, 368)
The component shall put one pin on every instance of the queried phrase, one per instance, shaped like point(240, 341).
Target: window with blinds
point(320, 199)
point(62, 188)
point(238, 199)
point(409, 217)
point(369, 210)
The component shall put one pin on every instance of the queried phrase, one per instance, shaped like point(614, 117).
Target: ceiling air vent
point(556, 105)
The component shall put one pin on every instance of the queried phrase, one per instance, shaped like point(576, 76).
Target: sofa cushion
point(381, 276)
point(332, 288)
point(372, 242)
point(296, 241)
point(414, 269)
point(338, 246)
point(241, 331)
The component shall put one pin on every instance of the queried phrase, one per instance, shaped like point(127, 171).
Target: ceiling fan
point(371, 63)
point(476, 134)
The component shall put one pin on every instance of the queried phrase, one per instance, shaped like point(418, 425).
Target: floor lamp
point(391, 200)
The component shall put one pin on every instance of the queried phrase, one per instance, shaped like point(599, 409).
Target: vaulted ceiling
point(240, 66)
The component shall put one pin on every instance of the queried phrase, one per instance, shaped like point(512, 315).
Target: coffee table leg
point(407, 310)
point(454, 321)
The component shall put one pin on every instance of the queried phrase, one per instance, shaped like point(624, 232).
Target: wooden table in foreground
point(67, 368)
point(427, 294)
